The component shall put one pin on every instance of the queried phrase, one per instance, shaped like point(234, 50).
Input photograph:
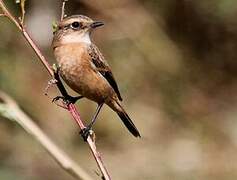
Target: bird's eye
point(75, 25)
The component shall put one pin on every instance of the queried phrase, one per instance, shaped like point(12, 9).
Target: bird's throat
point(76, 38)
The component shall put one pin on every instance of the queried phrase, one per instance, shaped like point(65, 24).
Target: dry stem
point(11, 110)
point(71, 107)
point(63, 9)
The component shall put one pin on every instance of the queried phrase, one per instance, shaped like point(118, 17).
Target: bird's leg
point(65, 96)
point(86, 131)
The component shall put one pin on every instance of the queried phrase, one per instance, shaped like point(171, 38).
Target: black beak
point(96, 24)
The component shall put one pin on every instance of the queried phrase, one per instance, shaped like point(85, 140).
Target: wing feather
point(103, 68)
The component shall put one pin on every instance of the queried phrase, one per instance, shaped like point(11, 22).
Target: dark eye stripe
point(66, 27)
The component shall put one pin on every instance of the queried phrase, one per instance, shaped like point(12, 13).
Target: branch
point(71, 108)
point(63, 10)
point(22, 5)
point(9, 109)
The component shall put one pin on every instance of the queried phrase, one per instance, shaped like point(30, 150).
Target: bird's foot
point(68, 99)
point(87, 131)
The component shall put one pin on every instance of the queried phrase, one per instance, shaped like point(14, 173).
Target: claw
point(57, 98)
point(67, 100)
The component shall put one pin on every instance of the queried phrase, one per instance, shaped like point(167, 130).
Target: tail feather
point(117, 107)
point(128, 123)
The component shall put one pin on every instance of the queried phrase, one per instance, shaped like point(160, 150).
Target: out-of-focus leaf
point(55, 26)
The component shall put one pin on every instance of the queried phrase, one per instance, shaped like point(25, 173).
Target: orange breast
point(77, 70)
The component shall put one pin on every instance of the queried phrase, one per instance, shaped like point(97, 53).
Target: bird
point(84, 69)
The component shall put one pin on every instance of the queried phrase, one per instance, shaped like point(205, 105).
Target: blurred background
point(175, 63)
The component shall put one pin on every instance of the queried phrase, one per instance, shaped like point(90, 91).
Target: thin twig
point(63, 15)
point(22, 4)
point(11, 110)
point(71, 107)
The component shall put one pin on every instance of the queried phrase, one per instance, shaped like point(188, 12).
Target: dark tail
point(128, 123)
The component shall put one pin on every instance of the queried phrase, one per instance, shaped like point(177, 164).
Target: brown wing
point(103, 67)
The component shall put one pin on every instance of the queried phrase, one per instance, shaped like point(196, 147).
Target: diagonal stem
point(10, 109)
point(63, 9)
point(71, 108)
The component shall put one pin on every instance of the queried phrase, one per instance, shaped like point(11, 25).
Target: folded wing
point(103, 68)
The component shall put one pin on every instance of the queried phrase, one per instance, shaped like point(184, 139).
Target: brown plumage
point(84, 68)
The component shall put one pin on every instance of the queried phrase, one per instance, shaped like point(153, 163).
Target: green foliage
point(54, 26)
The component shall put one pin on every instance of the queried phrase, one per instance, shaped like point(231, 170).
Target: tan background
point(175, 63)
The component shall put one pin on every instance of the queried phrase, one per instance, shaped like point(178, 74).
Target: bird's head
point(75, 29)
